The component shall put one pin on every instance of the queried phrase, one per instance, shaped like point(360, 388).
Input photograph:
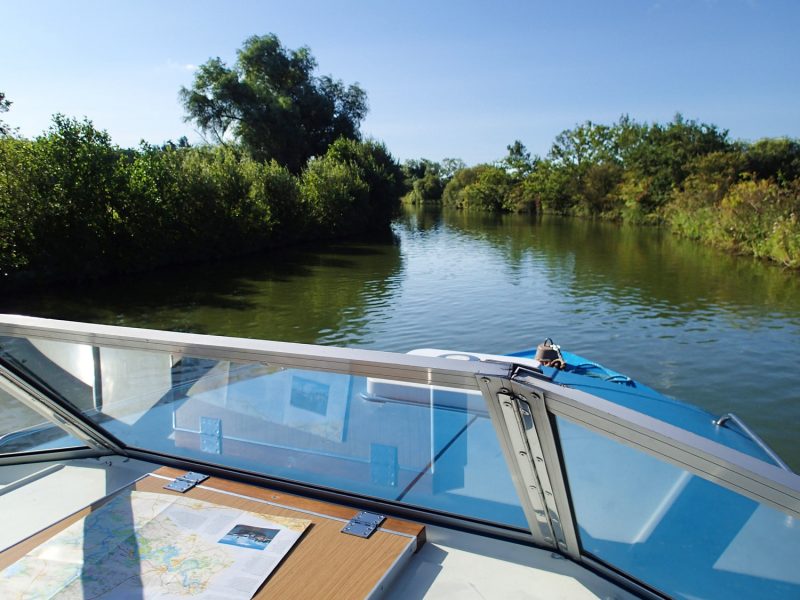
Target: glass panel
point(422, 445)
point(677, 532)
point(25, 430)
point(647, 401)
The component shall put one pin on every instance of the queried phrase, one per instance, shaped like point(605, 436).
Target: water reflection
point(720, 331)
point(314, 294)
point(645, 265)
point(717, 330)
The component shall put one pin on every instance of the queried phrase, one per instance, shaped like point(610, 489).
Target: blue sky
point(444, 79)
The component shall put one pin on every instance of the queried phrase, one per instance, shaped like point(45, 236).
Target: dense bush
point(488, 187)
point(426, 190)
point(480, 187)
point(59, 198)
point(738, 196)
point(380, 173)
point(425, 180)
point(73, 205)
point(757, 217)
point(333, 193)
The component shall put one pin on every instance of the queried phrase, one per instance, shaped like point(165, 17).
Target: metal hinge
point(185, 482)
point(363, 524)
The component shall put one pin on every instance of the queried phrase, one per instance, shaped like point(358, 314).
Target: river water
point(719, 331)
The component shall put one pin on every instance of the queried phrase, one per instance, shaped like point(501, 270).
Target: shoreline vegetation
point(286, 164)
point(73, 206)
point(688, 176)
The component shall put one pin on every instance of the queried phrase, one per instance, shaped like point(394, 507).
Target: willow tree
point(272, 102)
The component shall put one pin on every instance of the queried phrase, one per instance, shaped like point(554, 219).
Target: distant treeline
point(742, 197)
point(287, 164)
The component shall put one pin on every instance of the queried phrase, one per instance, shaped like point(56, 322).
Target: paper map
point(144, 545)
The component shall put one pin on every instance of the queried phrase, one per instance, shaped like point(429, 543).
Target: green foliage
point(449, 167)
point(414, 169)
point(73, 205)
point(276, 193)
point(587, 144)
point(774, 158)
point(452, 195)
point(550, 186)
point(426, 190)
point(61, 191)
point(489, 191)
point(272, 103)
point(429, 187)
point(334, 194)
point(633, 193)
point(518, 160)
point(737, 196)
point(783, 243)
point(425, 179)
point(381, 174)
point(4, 105)
point(629, 168)
point(489, 188)
point(15, 205)
point(597, 194)
point(664, 152)
point(756, 217)
point(521, 197)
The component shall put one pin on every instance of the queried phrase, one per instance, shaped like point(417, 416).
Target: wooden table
point(325, 563)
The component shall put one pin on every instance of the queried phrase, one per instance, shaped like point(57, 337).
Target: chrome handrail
point(366, 363)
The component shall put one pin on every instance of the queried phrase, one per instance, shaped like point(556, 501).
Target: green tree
point(774, 158)
point(452, 195)
point(518, 160)
point(422, 179)
point(272, 103)
point(382, 175)
point(482, 187)
point(660, 158)
point(62, 190)
point(549, 186)
point(4, 104)
point(450, 166)
point(587, 168)
point(585, 144)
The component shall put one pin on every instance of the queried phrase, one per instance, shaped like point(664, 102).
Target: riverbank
point(73, 206)
point(739, 196)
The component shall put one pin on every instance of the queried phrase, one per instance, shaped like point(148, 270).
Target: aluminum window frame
point(538, 399)
point(712, 461)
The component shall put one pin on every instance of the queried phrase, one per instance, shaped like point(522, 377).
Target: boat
point(535, 474)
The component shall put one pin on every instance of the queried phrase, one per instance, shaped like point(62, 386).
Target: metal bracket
point(185, 482)
point(524, 446)
point(533, 436)
point(363, 524)
point(542, 440)
point(211, 435)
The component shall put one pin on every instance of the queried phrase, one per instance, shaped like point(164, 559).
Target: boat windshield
point(485, 445)
point(22, 429)
point(428, 446)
